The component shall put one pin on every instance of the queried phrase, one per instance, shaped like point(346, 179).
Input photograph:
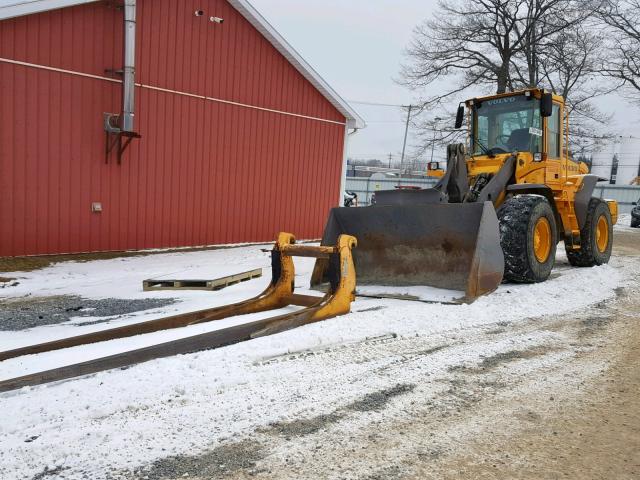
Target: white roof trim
point(16, 8)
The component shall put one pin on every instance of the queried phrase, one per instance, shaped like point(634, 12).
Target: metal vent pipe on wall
point(129, 68)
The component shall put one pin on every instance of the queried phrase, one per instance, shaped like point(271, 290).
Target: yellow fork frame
point(279, 294)
point(341, 292)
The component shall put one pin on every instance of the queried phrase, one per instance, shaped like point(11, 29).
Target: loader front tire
point(528, 236)
point(596, 237)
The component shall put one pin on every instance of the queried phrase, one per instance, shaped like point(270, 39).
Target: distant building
point(618, 161)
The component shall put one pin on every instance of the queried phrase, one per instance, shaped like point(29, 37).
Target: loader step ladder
point(279, 294)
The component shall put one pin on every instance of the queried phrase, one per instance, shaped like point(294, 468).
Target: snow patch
point(624, 223)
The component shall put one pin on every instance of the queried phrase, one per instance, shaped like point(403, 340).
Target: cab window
point(507, 124)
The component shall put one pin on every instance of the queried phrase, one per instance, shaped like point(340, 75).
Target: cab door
point(553, 146)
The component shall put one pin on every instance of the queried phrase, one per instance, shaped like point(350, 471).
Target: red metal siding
point(204, 172)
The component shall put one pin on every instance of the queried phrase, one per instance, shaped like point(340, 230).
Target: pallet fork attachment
point(279, 294)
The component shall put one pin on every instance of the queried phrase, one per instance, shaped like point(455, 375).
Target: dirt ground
point(565, 409)
point(594, 433)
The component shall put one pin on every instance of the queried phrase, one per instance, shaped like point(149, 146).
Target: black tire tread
point(514, 217)
point(587, 255)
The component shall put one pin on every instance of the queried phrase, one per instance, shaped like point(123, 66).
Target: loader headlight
point(537, 157)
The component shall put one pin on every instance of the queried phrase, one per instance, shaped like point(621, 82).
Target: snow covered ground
point(624, 223)
point(118, 420)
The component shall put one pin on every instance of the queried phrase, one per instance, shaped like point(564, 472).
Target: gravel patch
point(511, 356)
point(388, 473)
point(217, 463)
point(378, 400)
point(596, 322)
point(34, 312)
point(304, 426)
point(49, 472)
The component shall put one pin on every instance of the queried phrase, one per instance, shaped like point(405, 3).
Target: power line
point(377, 104)
point(385, 121)
point(374, 155)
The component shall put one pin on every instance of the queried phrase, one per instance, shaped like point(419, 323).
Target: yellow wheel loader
point(498, 212)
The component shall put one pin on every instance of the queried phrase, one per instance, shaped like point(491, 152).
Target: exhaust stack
point(122, 125)
point(129, 69)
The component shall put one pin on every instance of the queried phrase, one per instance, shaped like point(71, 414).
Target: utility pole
point(390, 157)
point(404, 144)
point(433, 141)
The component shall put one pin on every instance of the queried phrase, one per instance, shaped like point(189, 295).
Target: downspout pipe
point(129, 68)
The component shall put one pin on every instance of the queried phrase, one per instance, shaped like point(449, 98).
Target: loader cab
point(505, 124)
point(531, 123)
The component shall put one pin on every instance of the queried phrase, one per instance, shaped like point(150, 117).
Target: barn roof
point(18, 8)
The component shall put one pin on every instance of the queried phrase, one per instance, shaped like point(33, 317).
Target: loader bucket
point(454, 246)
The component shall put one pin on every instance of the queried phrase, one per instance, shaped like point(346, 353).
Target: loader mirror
point(546, 105)
point(460, 116)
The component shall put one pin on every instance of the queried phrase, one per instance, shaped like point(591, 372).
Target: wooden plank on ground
point(215, 284)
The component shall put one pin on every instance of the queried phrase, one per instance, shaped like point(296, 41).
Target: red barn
point(160, 123)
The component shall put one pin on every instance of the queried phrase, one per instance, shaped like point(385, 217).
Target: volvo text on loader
point(498, 212)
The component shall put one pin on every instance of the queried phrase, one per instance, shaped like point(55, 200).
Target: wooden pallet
point(216, 284)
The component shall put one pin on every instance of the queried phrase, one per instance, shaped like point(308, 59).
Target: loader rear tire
point(528, 236)
point(596, 237)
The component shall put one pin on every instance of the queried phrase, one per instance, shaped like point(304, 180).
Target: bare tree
point(478, 43)
point(547, 25)
point(432, 135)
point(623, 62)
point(504, 45)
point(570, 66)
point(569, 61)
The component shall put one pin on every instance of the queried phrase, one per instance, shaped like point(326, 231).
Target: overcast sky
point(357, 46)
